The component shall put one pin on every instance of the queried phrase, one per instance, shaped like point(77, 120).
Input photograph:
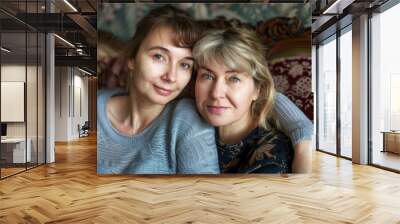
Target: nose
point(218, 90)
point(170, 73)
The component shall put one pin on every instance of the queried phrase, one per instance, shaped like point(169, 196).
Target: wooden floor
point(69, 191)
point(10, 171)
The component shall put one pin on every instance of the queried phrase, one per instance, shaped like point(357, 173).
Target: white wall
point(61, 103)
point(16, 73)
point(81, 82)
point(70, 84)
point(13, 72)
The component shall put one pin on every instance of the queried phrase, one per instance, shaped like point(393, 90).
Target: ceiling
point(72, 20)
point(328, 16)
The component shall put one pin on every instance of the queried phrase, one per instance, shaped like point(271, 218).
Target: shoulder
point(186, 103)
point(104, 94)
point(185, 114)
point(112, 102)
point(102, 98)
point(281, 98)
point(279, 95)
point(185, 109)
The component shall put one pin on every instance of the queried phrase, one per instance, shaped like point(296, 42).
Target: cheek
point(184, 79)
point(201, 91)
point(242, 98)
point(149, 71)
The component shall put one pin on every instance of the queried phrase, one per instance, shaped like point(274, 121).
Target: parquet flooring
point(70, 191)
point(9, 171)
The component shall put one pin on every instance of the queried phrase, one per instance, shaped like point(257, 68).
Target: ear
point(131, 63)
point(256, 93)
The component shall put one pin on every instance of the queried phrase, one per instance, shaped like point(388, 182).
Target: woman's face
point(161, 69)
point(224, 96)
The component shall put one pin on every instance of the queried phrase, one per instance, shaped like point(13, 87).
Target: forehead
point(162, 36)
point(226, 65)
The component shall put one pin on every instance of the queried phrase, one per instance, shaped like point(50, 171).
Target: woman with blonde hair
point(235, 93)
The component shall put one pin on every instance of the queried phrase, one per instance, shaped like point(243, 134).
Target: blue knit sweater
point(293, 122)
point(177, 141)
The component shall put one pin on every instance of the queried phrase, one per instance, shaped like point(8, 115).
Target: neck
point(235, 132)
point(142, 112)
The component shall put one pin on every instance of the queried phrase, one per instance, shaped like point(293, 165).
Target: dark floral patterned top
point(262, 151)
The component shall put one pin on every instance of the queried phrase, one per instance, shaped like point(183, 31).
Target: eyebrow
point(158, 48)
point(205, 68)
point(166, 51)
point(229, 71)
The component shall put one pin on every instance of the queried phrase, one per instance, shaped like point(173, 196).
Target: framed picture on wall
point(12, 101)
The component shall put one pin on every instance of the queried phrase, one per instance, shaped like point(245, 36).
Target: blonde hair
point(240, 49)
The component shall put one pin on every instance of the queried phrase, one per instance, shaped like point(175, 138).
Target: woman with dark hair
point(147, 131)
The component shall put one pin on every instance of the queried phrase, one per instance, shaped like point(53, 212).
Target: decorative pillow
point(292, 77)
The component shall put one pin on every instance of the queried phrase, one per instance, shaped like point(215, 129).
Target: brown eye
point(186, 66)
point(158, 57)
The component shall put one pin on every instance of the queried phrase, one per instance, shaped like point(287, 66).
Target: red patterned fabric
point(292, 77)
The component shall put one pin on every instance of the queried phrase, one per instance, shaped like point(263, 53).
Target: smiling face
point(161, 70)
point(223, 95)
point(234, 85)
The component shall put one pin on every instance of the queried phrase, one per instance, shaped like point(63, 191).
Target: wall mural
point(120, 18)
point(284, 29)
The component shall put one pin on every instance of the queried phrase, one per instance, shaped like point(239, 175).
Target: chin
point(217, 122)
point(157, 100)
point(161, 100)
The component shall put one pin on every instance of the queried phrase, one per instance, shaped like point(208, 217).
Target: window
point(346, 93)
point(326, 97)
point(385, 84)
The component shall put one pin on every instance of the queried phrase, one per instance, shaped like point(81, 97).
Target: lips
point(217, 110)
point(162, 91)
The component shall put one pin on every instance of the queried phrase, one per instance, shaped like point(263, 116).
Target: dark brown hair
point(185, 28)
